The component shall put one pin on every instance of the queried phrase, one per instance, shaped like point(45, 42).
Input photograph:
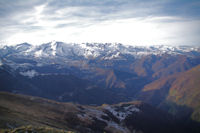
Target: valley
point(97, 87)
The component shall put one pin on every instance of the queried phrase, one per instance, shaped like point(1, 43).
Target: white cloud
point(129, 31)
point(137, 23)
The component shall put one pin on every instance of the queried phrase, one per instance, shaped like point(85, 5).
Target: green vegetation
point(179, 92)
point(31, 129)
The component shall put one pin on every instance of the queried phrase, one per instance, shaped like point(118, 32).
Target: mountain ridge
point(95, 50)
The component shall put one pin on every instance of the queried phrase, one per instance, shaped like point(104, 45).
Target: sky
point(133, 22)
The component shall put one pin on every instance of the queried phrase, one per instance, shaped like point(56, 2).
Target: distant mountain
point(105, 51)
point(20, 110)
point(84, 72)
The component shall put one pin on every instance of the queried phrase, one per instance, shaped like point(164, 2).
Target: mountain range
point(162, 80)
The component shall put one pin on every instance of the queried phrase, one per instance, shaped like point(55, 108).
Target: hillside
point(31, 129)
point(19, 110)
point(182, 89)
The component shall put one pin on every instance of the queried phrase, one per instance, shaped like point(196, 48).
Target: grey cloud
point(84, 13)
point(75, 24)
point(14, 12)
point(95, 10)
point(65, 25)
point(10, 7)
point(100, 9)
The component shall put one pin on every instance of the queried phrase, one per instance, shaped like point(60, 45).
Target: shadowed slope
point(20, 110)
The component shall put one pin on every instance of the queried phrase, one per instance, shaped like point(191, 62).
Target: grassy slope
point(185, 90)
point(31, 129)
point(20, 111)
point(182, 89)
point(17, 110)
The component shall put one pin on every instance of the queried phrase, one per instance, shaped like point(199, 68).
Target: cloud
point(126, 21)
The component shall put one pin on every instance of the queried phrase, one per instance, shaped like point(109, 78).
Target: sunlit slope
point(182, 89)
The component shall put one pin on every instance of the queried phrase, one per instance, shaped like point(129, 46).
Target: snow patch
point(38, 53)
point(39, 64)
point(116, 126)
point(113, 56)
point(53, 47)
point(1, 63)
point(94, 113)
point(30, 73)
point(123, 112)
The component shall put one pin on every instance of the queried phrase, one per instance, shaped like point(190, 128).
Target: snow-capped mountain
point(105, 51)
point(97, 73)
point(89, 56)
